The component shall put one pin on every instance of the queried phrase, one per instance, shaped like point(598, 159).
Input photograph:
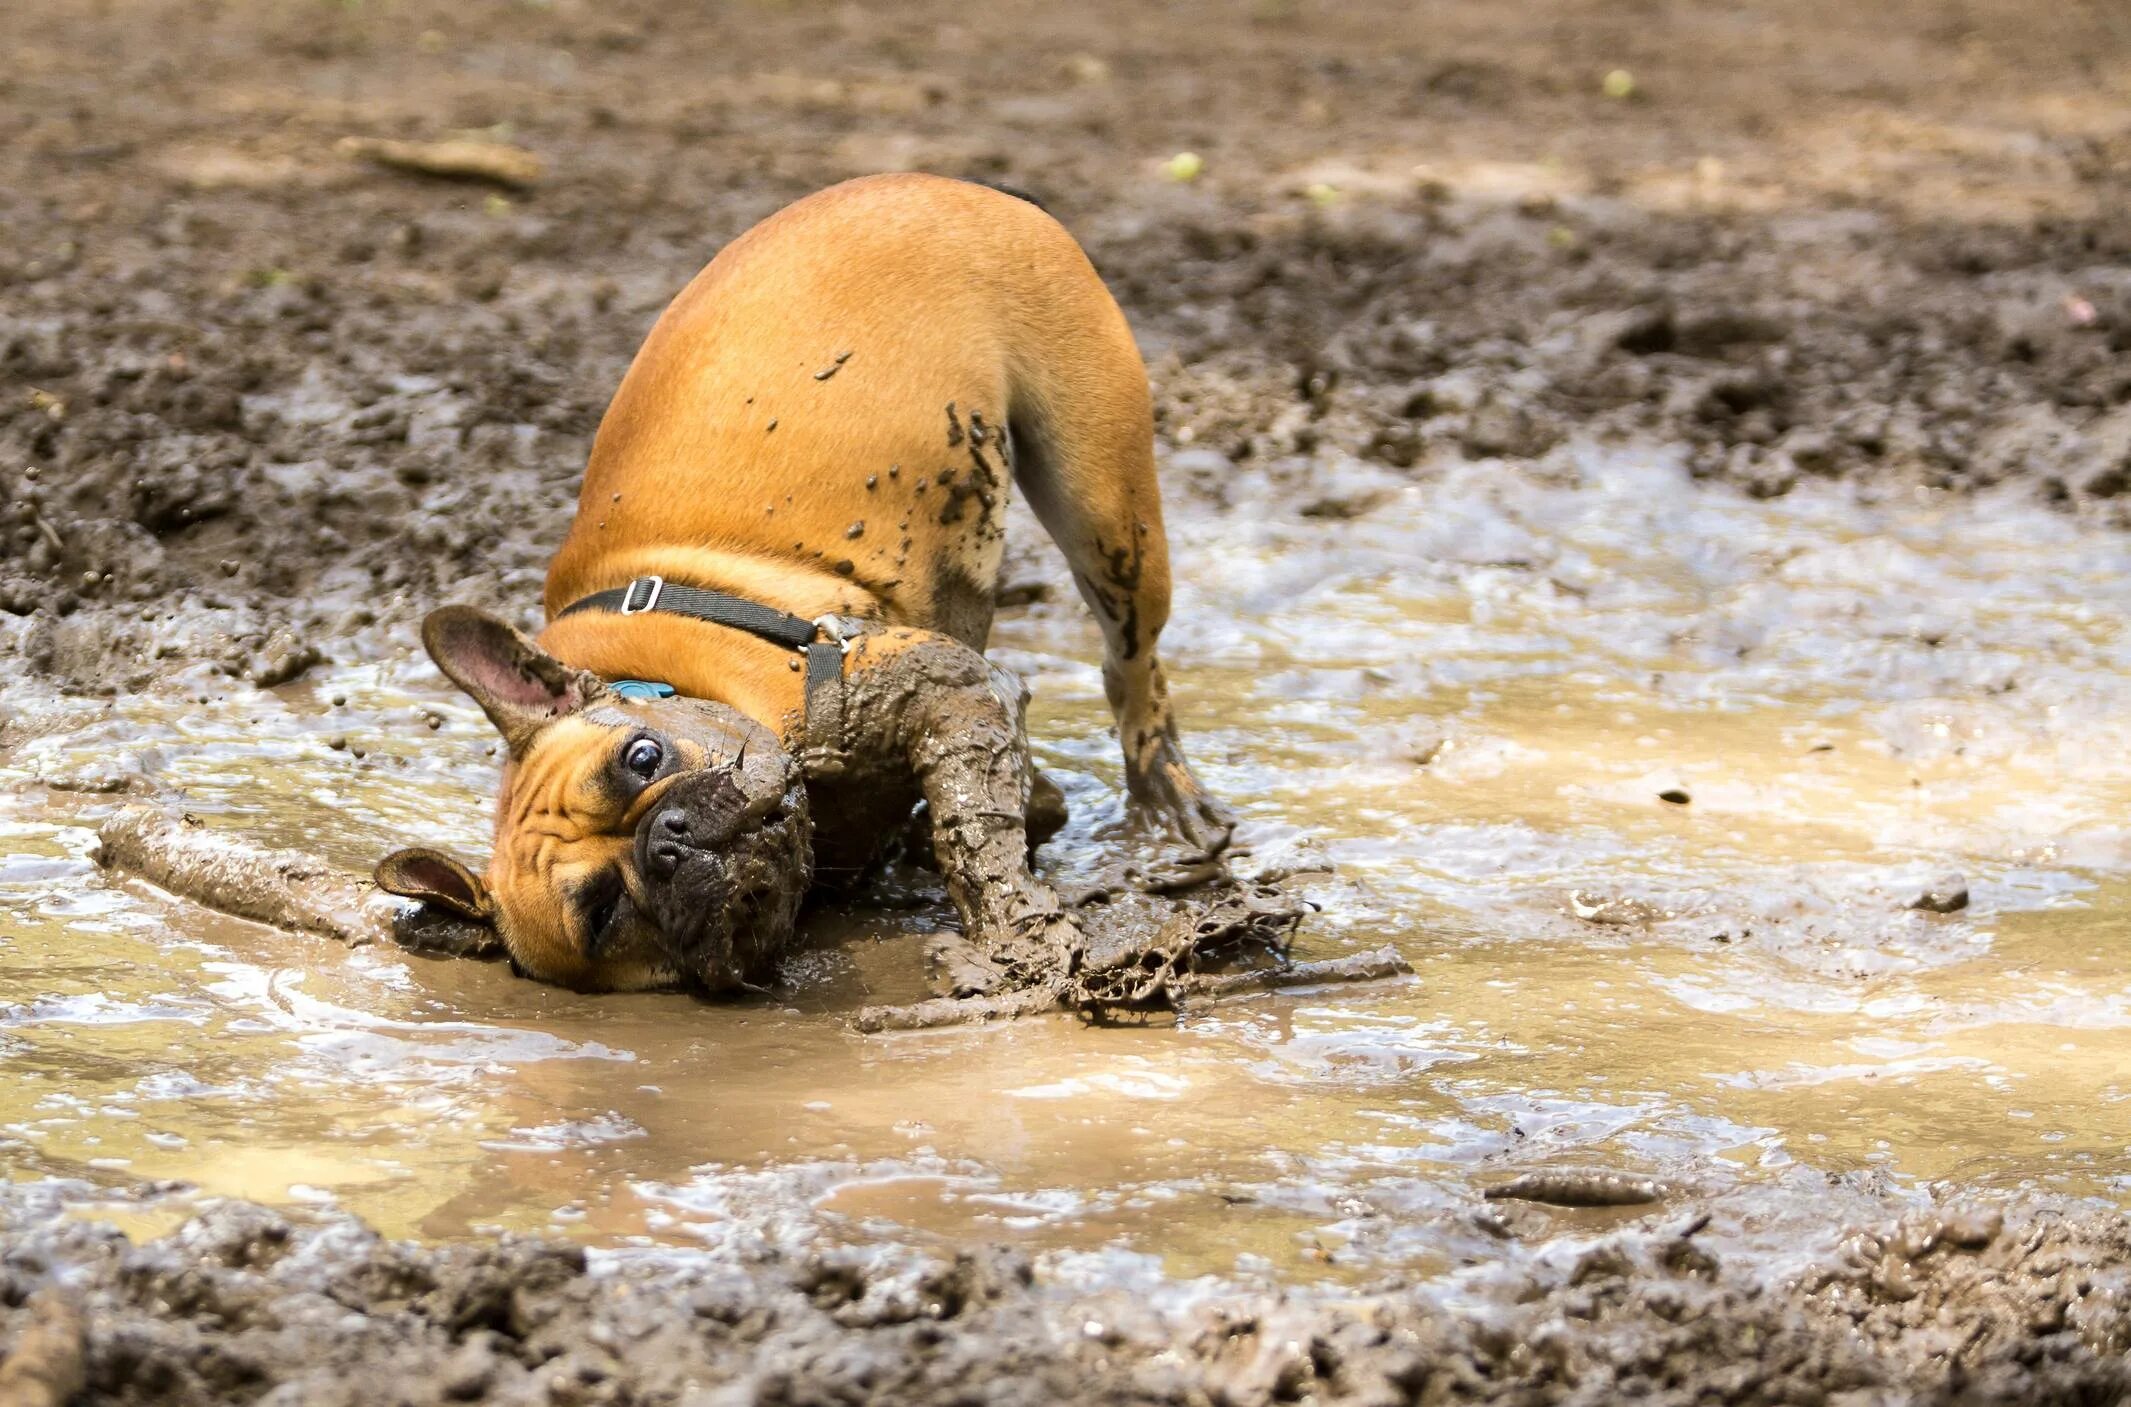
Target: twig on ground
point(284, 888)
point(1379, 965)
point(1579, 1187)
point(1376, 965)
point(936, 1012)
point(461, 160)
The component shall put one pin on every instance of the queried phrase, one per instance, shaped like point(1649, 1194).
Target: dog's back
point(824, 419)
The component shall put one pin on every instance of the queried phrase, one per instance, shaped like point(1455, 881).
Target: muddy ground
point(242, 1304)
point(258, 397)
point(249, 380)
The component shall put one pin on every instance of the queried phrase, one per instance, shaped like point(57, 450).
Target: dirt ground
point(241, 1304)
point(254, 392)
point(257, 394)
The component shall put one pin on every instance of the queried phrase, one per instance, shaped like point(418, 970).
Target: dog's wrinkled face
point(639, 843)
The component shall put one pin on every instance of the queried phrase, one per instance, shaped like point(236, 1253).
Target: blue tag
point(642, 689)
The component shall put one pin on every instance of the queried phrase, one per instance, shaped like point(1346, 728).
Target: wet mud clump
point(43, 1366)
point(244, 1304)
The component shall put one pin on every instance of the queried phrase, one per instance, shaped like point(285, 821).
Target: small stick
point(44, 1369)
point(1579, 1187)
point(935, 1012)
point(1376, 965)
point(462, 160)
point(1379, 965)
point(284, 888)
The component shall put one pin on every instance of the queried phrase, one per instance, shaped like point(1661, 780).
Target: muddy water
point(1470, 701)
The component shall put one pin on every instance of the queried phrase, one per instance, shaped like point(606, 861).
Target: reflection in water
point(1471, 699)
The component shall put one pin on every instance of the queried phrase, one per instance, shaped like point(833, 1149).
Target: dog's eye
point(643, 758)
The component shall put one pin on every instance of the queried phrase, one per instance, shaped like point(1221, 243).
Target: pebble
point(1947, 894)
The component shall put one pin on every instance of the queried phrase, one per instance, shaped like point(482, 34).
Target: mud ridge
point(2019, 1303)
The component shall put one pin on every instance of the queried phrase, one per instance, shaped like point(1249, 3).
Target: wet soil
point(1645, 482)
point(258, 390)
point(239, 1303)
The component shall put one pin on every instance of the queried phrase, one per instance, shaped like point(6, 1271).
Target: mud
point(1820, 243)
point(242, 1304)
point(1149, 955)
point(43, 1367)
point(1537, 447)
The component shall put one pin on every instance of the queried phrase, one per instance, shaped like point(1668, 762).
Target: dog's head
point(639, 843)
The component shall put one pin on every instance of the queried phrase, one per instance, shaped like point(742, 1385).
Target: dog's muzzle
point(726, 857)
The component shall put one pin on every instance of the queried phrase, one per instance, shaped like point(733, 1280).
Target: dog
point(765, 628)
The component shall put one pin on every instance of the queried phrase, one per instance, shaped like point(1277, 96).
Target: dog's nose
point(669, 832)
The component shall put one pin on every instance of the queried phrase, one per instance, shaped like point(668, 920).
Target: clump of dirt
point(240, 1303)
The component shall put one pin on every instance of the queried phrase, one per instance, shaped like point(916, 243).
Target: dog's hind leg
point(1084, 455)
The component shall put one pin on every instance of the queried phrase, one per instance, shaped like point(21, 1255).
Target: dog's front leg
point(970, 755)
point(956, 721)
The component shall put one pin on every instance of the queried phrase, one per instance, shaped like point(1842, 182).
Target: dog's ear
point(521, 687)
point(435, 878)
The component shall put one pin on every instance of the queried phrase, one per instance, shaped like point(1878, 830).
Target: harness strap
point(655, 593)
point(824, 658)
point(823, 710)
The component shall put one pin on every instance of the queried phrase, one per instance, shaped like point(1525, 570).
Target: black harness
point(820, 642)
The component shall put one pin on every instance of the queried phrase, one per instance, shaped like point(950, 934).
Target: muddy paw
point(1041, 954)
point(1132, 969)
point(1170, 798)
point(959, 968)
point(1044, 952)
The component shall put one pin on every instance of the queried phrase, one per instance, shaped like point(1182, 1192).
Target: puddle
point(1471, 699)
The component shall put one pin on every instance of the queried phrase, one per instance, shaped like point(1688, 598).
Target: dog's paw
point(1041, 950)
point(960, 968)
point(1168, 798)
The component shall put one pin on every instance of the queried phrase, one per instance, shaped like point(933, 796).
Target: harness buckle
point(841, 631)
point(651, 586)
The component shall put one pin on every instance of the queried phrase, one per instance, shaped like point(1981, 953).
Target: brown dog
point(794, 510)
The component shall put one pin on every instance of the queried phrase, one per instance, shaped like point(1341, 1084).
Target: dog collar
point(824, 657)
point(655, 593)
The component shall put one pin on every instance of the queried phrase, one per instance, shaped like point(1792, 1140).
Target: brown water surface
point(1470, 701)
